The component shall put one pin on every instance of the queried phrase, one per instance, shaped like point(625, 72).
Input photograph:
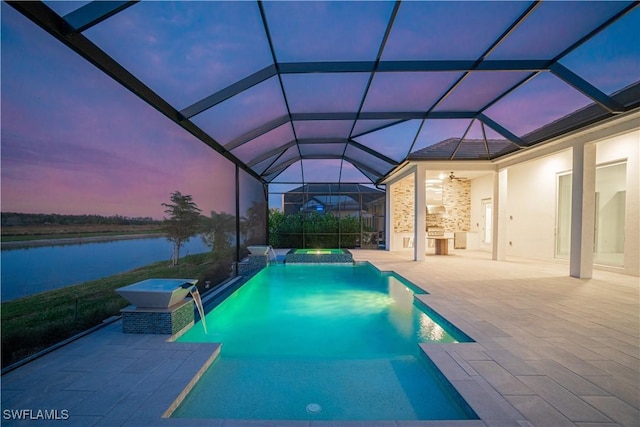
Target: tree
point(183, 222)
point(219, 230)
point(276, 222)
point(254, 227)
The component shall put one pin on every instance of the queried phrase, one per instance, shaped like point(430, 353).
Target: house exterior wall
point(532, 201)
point(402, 199)
point(456, 198)
point(531, 206)
point(532, 196)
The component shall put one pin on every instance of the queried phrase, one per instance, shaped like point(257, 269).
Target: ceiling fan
point(452, 177)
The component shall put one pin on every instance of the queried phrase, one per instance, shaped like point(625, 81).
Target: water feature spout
point(264, 250)
point(195, 294)
point(272, 255)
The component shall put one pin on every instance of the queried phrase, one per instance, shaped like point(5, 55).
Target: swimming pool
point(327, 342)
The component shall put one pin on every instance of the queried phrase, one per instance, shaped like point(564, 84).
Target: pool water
point(344, 337)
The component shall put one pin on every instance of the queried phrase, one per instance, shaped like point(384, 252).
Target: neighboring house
point(339, 199)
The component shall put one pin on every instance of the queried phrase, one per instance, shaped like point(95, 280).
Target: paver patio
point(550, 350)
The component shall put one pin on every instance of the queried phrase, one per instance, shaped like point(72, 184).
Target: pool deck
point(550, 350)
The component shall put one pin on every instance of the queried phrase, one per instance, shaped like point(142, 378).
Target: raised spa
point(318, 256)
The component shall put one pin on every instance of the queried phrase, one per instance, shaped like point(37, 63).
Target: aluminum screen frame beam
point(586, 88)
point(54, 24)
point(359, 67)
point(93, 13)
point(230, 91)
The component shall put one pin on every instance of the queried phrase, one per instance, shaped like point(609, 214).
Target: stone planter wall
point(158, 321)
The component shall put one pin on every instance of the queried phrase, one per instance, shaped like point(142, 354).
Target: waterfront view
point(30, 270)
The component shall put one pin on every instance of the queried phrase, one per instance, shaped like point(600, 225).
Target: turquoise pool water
point(344, 337)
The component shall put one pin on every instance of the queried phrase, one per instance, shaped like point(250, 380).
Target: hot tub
point(317, 256)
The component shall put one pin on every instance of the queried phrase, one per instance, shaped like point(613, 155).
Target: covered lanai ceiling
point(350, 90)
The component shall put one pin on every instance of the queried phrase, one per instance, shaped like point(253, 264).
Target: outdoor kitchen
point(448, 214)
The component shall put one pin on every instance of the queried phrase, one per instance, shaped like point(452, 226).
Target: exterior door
point(486, 228)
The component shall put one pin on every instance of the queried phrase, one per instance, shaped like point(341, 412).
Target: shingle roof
point(466, 149)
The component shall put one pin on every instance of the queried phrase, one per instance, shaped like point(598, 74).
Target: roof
point(467, 149)
point(334, 188)
point(343, 91)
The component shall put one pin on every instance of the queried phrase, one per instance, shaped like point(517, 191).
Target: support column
point(388, 220)
point(499, 236)
point(583, 201)
point(420, 214)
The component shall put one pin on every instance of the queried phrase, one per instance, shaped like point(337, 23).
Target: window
point(608, 242)
point(610, 207)
point(487, 221)
point(563, 216)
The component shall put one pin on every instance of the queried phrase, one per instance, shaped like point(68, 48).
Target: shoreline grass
point(76, 235)
point(54, 232)
point(33, 323)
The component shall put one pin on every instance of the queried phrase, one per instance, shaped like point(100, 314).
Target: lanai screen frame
point(373, 163)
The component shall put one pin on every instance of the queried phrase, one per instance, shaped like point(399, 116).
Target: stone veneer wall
point(402, 197)
point(252, 265)
point(456, 198)
point(170, 321)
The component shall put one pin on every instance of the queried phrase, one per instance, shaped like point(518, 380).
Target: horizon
point(80, 214)
point(81, 152)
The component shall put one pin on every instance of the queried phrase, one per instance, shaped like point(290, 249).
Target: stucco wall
point(532, 198)
point(531, 206)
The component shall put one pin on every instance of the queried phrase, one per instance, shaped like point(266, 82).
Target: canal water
point(27, 271)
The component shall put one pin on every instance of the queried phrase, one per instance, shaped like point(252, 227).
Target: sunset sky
point(75, 141)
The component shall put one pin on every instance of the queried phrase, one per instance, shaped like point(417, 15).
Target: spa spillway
point(156, 293)
point(318, 256)
point(159, 306)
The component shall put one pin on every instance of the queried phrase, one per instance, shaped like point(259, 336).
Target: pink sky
point(75, 142)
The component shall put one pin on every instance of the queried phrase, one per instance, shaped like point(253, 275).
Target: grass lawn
point(36, 322)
